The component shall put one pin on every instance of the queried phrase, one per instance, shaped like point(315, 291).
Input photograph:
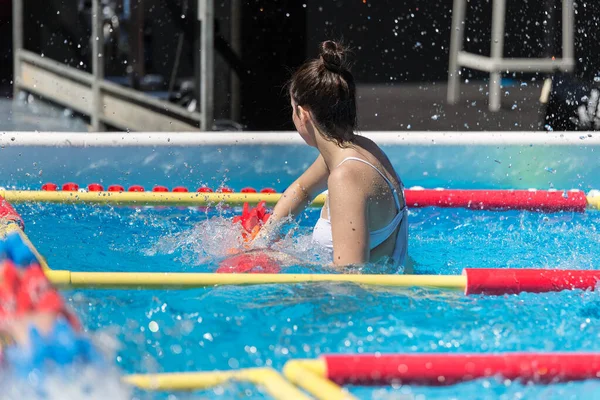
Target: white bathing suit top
point(322, 230)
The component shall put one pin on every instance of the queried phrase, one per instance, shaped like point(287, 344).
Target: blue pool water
point(266, 325)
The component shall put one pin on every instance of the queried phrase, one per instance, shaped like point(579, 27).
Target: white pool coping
point(399, 138)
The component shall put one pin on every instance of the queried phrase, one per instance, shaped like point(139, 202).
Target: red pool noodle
point(446, 369)
point(498, 281)
point(539, 200)
point(7, 212)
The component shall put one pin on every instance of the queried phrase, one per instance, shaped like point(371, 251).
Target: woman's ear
point(303, 114)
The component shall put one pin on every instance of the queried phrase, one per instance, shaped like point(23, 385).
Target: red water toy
point(252, 219)
point(251, 263)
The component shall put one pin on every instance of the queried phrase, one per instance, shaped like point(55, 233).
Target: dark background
point(400, 48)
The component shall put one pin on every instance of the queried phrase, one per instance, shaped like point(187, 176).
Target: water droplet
point(153, 326)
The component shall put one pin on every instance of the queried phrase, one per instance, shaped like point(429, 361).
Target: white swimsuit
point(322, 231)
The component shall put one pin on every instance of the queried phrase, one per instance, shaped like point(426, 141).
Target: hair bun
point(333, 56)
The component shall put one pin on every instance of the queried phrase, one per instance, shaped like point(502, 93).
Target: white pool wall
point(520, 160)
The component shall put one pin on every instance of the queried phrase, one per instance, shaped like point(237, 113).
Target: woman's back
point(383, 190)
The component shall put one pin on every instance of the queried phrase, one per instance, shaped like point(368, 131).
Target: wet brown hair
point(326, 87)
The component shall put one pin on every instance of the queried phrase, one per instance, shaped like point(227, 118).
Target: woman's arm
point(348, 213)
point(297, 197)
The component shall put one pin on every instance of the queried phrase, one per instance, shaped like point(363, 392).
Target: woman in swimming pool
point(364, 219)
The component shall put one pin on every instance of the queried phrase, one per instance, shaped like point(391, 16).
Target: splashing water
point(81, 383)
point(72, 382)
point(212, 240)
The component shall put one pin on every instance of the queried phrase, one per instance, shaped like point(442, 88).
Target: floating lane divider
point(188, 280)
point(324, 377)
point(437, 369)
point(499, 281)
point(268, 378)
point(531, 200)
point(488, 281)
point(473, 281)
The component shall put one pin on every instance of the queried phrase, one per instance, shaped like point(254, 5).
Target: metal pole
point(456, 45)
point(97, 65)
point(206, 70)
point(568, 28)
point(498, 17)
point(236, 47)
point(136, 43)
point(549, 32)
point(17, 21)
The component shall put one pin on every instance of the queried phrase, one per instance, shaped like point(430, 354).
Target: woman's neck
point(332, 153)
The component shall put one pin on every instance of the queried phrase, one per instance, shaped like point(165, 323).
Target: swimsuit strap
point(392, 188)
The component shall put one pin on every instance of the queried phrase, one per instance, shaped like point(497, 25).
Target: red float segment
point(160, 189)
point(7, 212)
point(136, 188)
point(251, 263)
point(95, 187)
point(116, 188)
point(225, 190)
point(180, 189)
point(248, 190)
point(498, 281)
point(445, 369)
point(70, 187)
point(204, 189)
point(50, 187)
point(531, 200)
point(268, 190)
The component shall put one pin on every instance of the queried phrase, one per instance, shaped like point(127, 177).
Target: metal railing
point(107, 103)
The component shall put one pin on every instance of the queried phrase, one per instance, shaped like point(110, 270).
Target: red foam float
point(70, 187)
point(7, 212)
point(50, 187)
point(204, 189)
point(159, 188)
point(136, 188)
point(446, 369)
point(248, 190)
point(225, 190)
point(116, 188)
point(268, 190)
point(251, 263)
point(531, 200)
point(180, 189)
point(95, 187)
point(498, 281)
